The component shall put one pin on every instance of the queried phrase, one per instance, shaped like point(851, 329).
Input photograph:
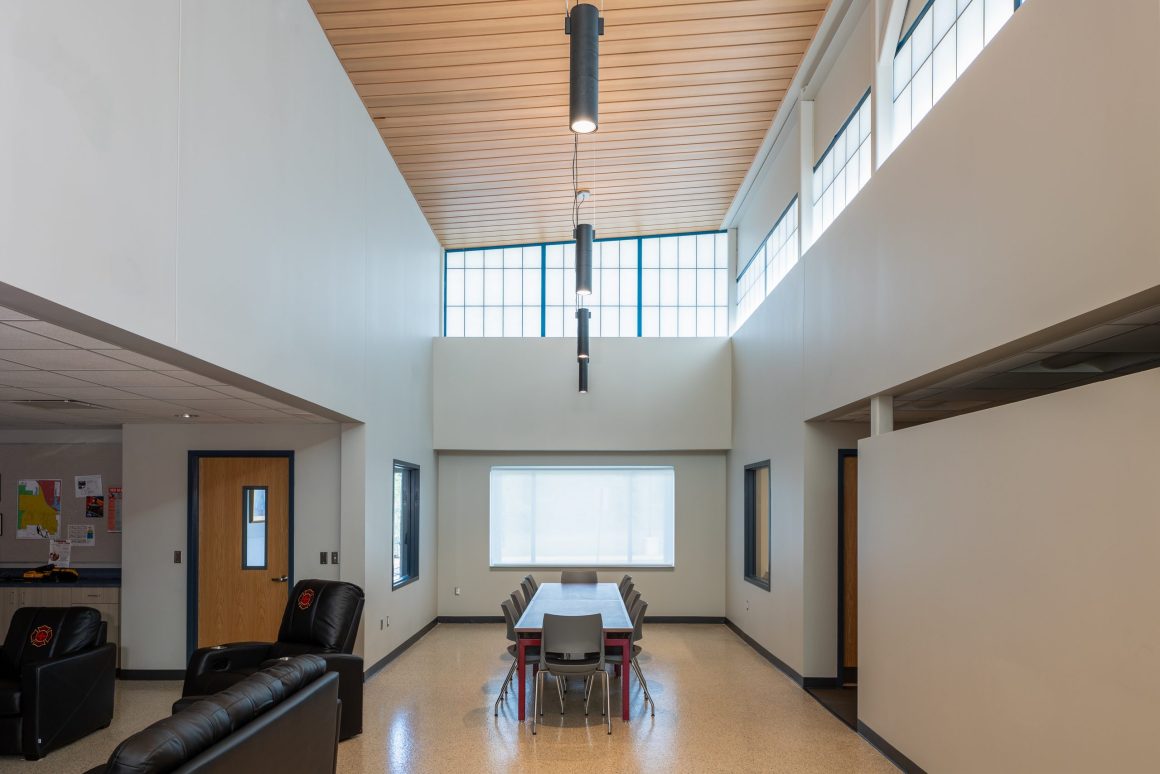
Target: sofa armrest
point(222, 658)
point(64, 699)
point(350, 690)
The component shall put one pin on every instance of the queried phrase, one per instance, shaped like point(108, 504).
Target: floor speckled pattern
point(720, 708)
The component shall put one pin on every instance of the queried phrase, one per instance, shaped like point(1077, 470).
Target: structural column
point(881, 414)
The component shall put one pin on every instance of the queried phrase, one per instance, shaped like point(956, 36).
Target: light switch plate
point(334, 557)
point(322, 557)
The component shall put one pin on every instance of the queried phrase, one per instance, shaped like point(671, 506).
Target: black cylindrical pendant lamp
point(583, 377)
point(584, 28)
point(584, 234)
point(582, 317)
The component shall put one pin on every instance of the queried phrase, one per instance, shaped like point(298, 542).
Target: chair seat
point(613, 655)
point(9, 697)
point(572, 666)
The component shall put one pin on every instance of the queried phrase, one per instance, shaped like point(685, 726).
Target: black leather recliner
point(56, 679)
point(321, 618)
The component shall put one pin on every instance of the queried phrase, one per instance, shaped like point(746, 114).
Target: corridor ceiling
point(471, 97)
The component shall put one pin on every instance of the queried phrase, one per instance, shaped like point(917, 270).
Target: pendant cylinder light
point(584, 235)
point(584, 28)
point(582, 318)
point(583, 377)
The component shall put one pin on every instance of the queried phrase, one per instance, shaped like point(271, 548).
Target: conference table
point(576, 599)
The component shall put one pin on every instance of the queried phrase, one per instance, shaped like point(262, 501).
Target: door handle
point(283, 579)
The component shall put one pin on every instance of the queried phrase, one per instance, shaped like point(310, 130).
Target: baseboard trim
point(151, 674)
point(394, 654)
point(890, 751)
point(777, 662)
point(470, 619)
point(820, 682)
point(684, 619)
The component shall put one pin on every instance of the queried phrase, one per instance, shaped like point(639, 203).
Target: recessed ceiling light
point(186, 416)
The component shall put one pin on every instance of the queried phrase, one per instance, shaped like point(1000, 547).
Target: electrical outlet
point(177, 557)
point(322, 557)
point(334, 557)
point(456, 591)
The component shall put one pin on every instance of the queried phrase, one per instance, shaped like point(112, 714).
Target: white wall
point(693, 587)
point(156, 460)
point(521, 395)
point(203, 177)
point(1007, 585)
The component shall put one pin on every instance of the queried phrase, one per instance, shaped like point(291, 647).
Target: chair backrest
point(633, 596)
point(626, 590)
point(531, 579)
point(578, 576)
point(322, 616)
point(518, 601)
point(510, 618)
point(570, 637)
point(529, 589)
point(42, 633)
point(627, 579)
point(637, 616)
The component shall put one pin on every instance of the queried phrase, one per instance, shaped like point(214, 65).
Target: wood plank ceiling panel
point(471, 98)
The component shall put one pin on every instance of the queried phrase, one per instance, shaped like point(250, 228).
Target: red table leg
point(522, 660)
point(624, 677)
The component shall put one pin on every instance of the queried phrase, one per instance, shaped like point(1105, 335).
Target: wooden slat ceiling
point(471, 97)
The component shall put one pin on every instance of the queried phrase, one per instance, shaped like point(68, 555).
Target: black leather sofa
point(56, 679)
point(321, 618)
point(282, 719)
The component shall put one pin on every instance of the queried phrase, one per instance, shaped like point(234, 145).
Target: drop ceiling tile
point(1145, 317)
point(65, 360)
point(91, 392)
point(1022, 380)
point(1084, 338)
point(1146, 339)
point(180, 393)
point(220, 403)
point(192, 378)
point(237, 392)
point(141, 361)
point(129, 379)
point(17, 338)
point(17, 393)
point(8, 314)
point(64, 335)
point(40, 379)
point(145, 406)
point(1013, 362)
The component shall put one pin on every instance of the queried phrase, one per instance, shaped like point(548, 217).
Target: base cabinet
point(106, 599)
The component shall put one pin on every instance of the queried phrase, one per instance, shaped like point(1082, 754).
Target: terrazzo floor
point(720, 708)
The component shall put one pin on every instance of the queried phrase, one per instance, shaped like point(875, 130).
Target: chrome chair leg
point(588, 681)
point(503, 688)
point(561, 688)
point(536, 701)
point(607, 703)
point(643, 684)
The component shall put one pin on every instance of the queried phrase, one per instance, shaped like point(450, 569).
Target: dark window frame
point(751, 516)
point(409, 555)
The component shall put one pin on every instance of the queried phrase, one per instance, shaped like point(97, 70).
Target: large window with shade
point(671, 285)
point(844, 167)
point(590, 516)
point(940, 39)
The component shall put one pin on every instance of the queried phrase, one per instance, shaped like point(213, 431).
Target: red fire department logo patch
point(41, 636)
point(306, 599)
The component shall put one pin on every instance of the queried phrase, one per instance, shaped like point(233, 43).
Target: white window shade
point(582, 516)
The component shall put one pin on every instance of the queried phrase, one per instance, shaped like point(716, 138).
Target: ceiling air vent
point(54, 405)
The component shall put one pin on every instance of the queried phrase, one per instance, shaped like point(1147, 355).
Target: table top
point(576, 599)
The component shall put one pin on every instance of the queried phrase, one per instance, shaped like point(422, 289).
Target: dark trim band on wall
point(888, 750)
point(469, 619)
point(394, 654)
point(761, 651)
point(151, 674)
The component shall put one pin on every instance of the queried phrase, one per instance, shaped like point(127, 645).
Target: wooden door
point(243, 560)
point(848, 609)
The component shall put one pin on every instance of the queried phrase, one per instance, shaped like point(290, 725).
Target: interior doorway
point(241, 515)
point(848, 567)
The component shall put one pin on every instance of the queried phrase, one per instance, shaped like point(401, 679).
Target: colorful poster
point(38, 508)
point(94, 507)
point(60, 552)
point(114, 512)
point(87, 486)
point(82, 535)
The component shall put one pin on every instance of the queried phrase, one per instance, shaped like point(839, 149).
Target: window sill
point(404, 582)
point(759, 582)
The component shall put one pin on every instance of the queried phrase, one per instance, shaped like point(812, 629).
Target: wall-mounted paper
point(116, 497)
point(82, 534)
point(38, 508)
point(60, 552)
point(94, 507)
point(88, 486)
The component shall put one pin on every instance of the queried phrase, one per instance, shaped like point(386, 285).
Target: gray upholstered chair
point(578, 576)
point(510, 618)
point(518, 601)
point(531, 579)
point(572, 646)
point(625, 582)
point(615, 657)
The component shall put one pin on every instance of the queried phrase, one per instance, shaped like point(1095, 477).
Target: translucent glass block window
point(936, 49)
point(683, 285)
point(254, 499)
point(560, 289)
point(844, 168)
point(777, 255)
point(494, 292)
